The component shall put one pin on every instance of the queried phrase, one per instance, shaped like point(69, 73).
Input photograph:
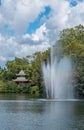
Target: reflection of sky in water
point(41, 115)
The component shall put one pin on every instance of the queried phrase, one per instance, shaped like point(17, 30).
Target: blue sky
point(28, 26)
point(38, 21)
point(73, 3)
point(8, 30)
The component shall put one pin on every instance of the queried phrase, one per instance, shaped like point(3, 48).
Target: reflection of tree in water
point(44, 114)
point(29, 106)
point(37, 107)
point(79, 108)
point(78, 116)
point(13, 96)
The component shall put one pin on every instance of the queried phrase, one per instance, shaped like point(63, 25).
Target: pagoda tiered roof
point(21, 73)
point(21, 77)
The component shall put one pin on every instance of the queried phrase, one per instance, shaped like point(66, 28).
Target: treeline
point(70, 43)
point(32, 66)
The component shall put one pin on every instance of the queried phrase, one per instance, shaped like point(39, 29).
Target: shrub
point(34, 91)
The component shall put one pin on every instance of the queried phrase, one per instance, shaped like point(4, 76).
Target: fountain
point(58, 77)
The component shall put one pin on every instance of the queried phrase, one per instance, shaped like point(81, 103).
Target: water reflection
point(13, 96)
point(23, 106)
point(41, 115)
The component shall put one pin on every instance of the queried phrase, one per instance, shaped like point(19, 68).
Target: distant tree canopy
point(71, 44)
point(72, 41)
point(13, 67)
point(31, 66)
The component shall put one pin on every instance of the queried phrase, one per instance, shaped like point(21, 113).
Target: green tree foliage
point(32, 67)
point(13, 67)
point(36, 68)
point(71, 44)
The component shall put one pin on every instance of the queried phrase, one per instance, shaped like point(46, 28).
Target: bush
point(34, 91)
point(23, 88)
point(1, 86)
point(10, 87)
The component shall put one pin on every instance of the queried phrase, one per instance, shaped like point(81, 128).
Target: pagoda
point(21, 78)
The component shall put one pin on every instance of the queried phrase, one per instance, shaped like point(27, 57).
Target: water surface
point(41, 114)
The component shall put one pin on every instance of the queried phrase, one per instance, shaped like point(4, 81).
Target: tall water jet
point(58, 77)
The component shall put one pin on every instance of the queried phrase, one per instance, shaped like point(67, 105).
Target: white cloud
point(76, 15)
point(39, 35)
point(19, 13)
point(9, 48)
point(27, 49)
point(59, 15)
point(1, 20)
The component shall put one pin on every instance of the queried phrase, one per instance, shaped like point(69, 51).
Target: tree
point(13, 67)
point(71, 44)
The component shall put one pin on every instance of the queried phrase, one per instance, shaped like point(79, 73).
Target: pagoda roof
point(21, 73)
point(20, 79)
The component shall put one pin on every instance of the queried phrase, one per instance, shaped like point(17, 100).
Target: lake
point(18, 112)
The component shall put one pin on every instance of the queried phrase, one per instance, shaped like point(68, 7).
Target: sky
point(27, 26)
